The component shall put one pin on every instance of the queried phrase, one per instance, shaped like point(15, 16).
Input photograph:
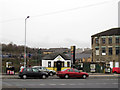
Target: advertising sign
point(92, 67)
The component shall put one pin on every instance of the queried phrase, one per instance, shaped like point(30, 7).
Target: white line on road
point(52, 84)
point(42, 84)
point(62, 84)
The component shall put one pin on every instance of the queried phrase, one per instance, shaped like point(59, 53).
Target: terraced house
point(106, 47)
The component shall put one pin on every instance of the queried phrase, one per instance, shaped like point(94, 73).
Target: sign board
point(92, 67)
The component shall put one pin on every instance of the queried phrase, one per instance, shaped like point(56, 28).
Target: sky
point(56, 23)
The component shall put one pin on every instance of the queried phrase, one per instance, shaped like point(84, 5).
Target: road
point(60, 83)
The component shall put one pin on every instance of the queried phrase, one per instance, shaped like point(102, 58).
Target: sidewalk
point(91, 76)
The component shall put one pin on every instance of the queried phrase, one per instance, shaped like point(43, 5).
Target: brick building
point(106, 47)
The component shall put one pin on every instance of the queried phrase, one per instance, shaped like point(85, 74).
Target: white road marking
point(52, 84)
point(62, 84)
point(71, 84)
point(42, 84)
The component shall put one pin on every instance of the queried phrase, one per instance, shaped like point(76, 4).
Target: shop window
point(110, 51)
point(49, 64)
point(68, 64)
point(110, 40)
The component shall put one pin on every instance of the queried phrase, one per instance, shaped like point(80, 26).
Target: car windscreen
point(64, 69)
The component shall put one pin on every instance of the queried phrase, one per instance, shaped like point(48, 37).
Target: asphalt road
point(60, 83)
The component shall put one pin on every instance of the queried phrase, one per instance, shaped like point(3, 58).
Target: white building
point(56, 61)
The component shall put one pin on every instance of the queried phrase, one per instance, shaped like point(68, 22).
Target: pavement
point(91, 76)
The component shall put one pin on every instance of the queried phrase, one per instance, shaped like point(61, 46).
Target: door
point(77, 73)
point(29, 72)
point(35, 72)
point(59, 65)
point(71, 73)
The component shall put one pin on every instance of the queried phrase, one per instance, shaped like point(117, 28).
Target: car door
point(35, 72)
point(77, 73)
point(70, 72)
point(29, 72)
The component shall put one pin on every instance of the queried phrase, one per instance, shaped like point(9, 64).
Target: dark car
point(32, 72)
point(67, 73)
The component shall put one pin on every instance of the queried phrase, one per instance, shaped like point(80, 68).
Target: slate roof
point(54, 55)
point(110, 32)
point(82, 55)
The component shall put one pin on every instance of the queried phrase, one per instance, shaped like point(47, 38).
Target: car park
point(32, 72)
point(68, 73)
point(50, 72)
point(116, 70)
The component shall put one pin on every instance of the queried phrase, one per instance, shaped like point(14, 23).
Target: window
point(97, 50)
point(68, 64)
point(70, 70)
point(29, 69)
point(103, 40)
point(76, 70)
point(110, 40)
point(117, 50)
point(64, 69)
point(35, 70)
point(62, 64)
point(49, 64)
point(110, 51)
point(117, 40)
point(55, 64)
point(96, 40)
point(103, 51)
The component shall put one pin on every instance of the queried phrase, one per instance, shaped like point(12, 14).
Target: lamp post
point(25, 43)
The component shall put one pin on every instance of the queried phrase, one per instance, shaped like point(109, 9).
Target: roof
point(54, 55)
point(82, 55)
point(110, 32)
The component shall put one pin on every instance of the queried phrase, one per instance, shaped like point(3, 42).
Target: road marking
point(71, 84)
point(52, 84)
point(62, 84)
point(42, 84)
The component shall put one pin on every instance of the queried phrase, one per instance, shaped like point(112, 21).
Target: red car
point(116, 70)
point(67, 73)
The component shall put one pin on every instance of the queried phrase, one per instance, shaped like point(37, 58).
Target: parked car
point(116, 70)
point(50, 72)
point(67, 73)
point(32, 72)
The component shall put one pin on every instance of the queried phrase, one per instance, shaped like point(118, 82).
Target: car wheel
point(115, 72)
point(51, 74)
point(84, 76)
point(24, 76)
point(66, 76)
point(43, 76)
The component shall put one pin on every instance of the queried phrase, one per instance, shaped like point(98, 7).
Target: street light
point(25, 43)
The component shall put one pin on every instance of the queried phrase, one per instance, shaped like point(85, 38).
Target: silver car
point(50, 72)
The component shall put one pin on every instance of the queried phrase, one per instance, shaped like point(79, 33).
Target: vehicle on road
point(68, 73)
point(32, 72)
point(116, 70)
point(50, 72)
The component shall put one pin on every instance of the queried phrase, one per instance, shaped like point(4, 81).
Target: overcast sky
point(56, 23)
